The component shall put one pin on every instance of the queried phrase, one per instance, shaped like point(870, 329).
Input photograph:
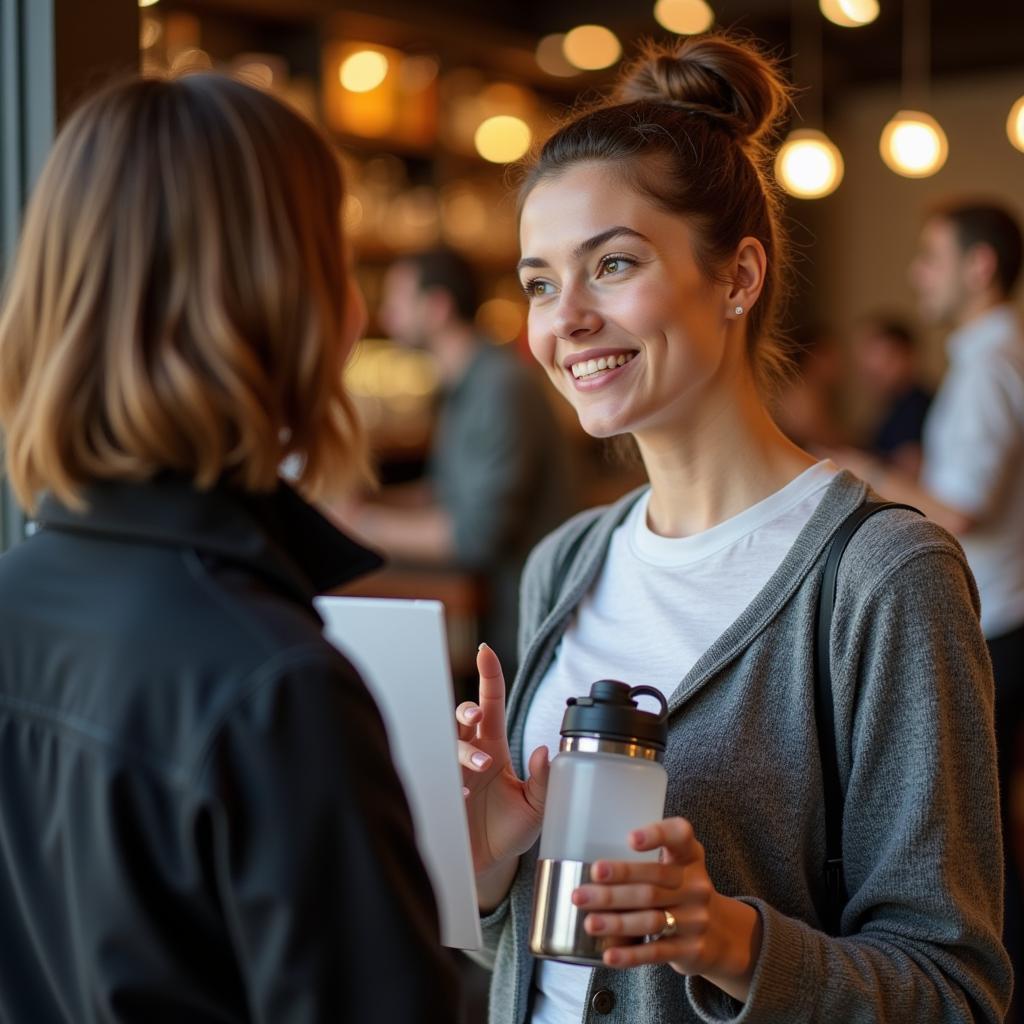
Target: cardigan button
point(603, 1001)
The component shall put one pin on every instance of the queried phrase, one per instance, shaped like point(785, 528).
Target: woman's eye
point(535, 288)
point(613, 265)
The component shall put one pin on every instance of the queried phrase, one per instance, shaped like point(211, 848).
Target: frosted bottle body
point(595, 800)
point(606, 780)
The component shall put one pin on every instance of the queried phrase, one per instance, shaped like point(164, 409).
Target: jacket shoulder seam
point(178, 777)
point(311, 656)
point(203, 578)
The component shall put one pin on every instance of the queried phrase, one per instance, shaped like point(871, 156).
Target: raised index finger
point(492, 694)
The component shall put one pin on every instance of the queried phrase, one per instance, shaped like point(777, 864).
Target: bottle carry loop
point(834, 896)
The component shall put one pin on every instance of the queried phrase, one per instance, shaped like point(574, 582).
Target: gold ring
point(670, 928)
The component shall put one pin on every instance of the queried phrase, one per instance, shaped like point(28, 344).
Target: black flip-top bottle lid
point(611, 712)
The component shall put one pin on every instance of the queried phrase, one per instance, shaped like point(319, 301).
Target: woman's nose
point(576, 318)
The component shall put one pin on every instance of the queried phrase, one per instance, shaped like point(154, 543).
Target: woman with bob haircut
point(199, 818)
point(654, 264)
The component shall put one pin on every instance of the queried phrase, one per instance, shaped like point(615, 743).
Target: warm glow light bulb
point(150, 30)
point(363, 71)
point(591, 47)
point(849, 13)
point(502, 139)
point(551, 56)
point(147, 3)
point(913, 144)
point(684, 17)
point(809, 165)
point(1015, 124)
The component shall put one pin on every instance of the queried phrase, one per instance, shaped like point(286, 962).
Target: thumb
point(536, 788)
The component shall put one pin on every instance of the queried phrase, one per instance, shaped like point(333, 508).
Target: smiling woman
point(635, 292)
point(654, 265)
point(726, 105)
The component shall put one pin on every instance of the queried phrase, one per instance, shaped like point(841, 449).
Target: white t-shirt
point(657, 606)
point(974, 458)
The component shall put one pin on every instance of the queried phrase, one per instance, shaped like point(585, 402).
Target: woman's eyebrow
point(581, 250)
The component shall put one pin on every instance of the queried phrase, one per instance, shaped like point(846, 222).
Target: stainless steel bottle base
point(556, 931)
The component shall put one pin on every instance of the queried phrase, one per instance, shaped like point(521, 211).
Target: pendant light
point(849, 13)
point(591, 47)
point(1015, 125)
point(809, 164)
point(684, 17)
point(913, 143)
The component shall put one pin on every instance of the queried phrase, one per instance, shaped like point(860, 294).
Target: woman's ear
point(747, 277)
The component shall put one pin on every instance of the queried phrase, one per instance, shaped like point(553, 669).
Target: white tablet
point(401, 650)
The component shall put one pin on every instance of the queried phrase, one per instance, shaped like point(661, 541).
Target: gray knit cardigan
point(913, 713)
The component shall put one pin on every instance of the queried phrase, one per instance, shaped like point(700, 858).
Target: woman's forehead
point(583, 201)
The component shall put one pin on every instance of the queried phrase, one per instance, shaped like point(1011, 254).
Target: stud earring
point(738, 311)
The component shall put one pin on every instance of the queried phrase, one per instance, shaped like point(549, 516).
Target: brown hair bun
point(728, 81)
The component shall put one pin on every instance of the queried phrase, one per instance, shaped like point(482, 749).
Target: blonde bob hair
point(181, 298)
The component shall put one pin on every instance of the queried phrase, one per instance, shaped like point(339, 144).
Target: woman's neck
point(729, 456)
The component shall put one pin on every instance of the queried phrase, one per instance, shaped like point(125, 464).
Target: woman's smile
point(596, 368)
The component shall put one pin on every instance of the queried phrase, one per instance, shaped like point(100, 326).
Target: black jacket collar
point(278, 534)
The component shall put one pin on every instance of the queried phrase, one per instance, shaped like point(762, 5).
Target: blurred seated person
point(885, 352)
point(496, 479)
point(200, 820)
point(806, 406)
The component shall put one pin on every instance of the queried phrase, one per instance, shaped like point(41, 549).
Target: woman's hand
point(715, 936)
point(504, 812)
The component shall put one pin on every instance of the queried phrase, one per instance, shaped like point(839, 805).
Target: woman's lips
point(593, 373)
point(598, 364)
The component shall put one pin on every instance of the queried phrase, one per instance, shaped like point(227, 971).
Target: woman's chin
point(603, 427)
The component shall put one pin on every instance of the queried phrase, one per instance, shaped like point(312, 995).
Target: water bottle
point(606, 780)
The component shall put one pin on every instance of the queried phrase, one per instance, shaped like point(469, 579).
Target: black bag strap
point(835, 894)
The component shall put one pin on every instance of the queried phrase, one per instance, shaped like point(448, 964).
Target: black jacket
point(199, 819)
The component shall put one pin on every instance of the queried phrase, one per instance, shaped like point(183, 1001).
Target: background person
point(885, 354)
point(806, 402)
point(964, 274)
point(650, 231)
point(199, 818)
point(497, 477)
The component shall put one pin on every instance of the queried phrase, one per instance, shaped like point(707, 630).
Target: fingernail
point(480, 759)
point(580, 898)
point(600, 872)
point(473, 713)
point(639, 836)
point(595, 923)
point(465, 790)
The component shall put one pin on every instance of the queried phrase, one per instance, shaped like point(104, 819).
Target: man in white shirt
point(972, 478)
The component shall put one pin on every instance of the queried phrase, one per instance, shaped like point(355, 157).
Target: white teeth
point(588, 367)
